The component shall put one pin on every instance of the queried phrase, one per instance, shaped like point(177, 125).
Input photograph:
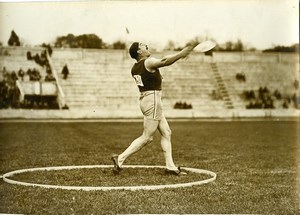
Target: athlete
point(149, 80)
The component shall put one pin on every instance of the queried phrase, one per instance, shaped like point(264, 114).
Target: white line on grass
point(6, 176)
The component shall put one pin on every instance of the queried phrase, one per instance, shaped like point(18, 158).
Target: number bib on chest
point(138, 80)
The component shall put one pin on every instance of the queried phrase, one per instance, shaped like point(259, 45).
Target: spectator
point(43, 58)
point(285, 104)
point(295, 100)
point(21, 74)
point(249, 94)
point(48, 47)
point(266, 90)
point(65, 71)
point(49, 77)
point(268, 104)
point(250, 105)
point(4, 70)
point(48, 68)
point(37, 74)
point(9, 92)
point(28, 55)
point(260, 90)
point(37, 59)
point(277, 94)
point(264, 93)
point(34, 75)
point(216, 95)
point(65, 107)
point(29, 73)
point(252, 94)
point(296, 84)
point(241, 77)
point(14, 76)
point(258, 104)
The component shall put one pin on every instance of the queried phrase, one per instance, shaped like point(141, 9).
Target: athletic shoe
point(178, 172)
point(117, 169)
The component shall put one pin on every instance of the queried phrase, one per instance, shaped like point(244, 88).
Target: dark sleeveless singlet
point(144, 79)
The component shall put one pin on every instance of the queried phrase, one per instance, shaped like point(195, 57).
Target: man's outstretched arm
point(154, 63)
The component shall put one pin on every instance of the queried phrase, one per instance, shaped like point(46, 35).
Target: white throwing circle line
point(6, 176)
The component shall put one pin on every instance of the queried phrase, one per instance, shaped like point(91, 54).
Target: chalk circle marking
point(6, 176)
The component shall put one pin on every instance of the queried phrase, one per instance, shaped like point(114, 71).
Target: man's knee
point(147, 139)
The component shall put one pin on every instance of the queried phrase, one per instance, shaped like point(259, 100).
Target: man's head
point(133, 50)
point(137, 50)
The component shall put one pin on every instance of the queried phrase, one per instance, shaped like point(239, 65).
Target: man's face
point(143, 50)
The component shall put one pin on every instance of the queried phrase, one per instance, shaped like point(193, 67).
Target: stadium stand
point(101, 79)
point(274, 76)
point(27, 79)
point(95, 81)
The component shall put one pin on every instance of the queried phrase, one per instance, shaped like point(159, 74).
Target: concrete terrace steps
point(273, 75)
point(16, 62)
point(84, 99)
point(221, 86)
point(103, 79)
point(106, 74)
point(96, 86)
point(278, 76)
point(95, 81)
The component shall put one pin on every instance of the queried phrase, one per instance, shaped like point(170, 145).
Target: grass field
point(256, 163)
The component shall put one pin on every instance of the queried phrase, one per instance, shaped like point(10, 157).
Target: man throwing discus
point(149, 81)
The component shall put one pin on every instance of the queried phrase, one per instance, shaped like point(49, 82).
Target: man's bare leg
point(150, 126)
point(166, 145)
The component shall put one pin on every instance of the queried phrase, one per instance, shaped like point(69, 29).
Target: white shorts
point(151, 105)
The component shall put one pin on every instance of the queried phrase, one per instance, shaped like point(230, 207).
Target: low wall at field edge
point(129, 114)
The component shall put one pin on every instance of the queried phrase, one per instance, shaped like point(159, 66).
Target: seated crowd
point(216, 95)
point(42, 60)
point(264, 99)
point(32, 74)
point(10, 95)
point(182, 105)
point(240, 77)
point(9, 92)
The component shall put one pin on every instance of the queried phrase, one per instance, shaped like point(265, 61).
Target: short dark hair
point(133, 50)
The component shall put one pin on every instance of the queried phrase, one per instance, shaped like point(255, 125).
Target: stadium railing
point(61, 95)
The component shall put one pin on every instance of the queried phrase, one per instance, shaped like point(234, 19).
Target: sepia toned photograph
point(149, 107)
